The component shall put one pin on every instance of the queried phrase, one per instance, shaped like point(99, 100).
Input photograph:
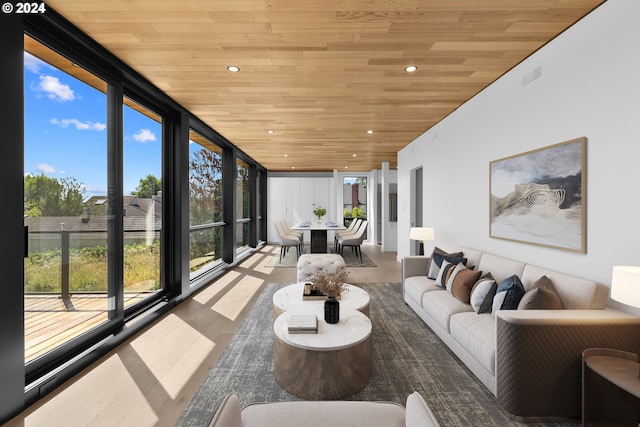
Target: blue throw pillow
point(515, 291)
point(436, 263)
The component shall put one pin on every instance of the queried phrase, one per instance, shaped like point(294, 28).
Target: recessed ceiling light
point(286, 155)
point(269, 131)
point(354, 155)
point(346, 167)
point(293, 167)
point(369, 131)
point(233, 68)
point(410, 68)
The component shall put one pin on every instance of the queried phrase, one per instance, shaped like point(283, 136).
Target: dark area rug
point(290, 260)
point(407, 356)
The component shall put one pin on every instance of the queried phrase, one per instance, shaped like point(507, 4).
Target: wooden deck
point(49, 321)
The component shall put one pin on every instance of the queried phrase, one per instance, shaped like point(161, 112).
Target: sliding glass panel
point(243, 220)
point(259, 199)
point(205, 204)
point(65, 176)
point(142, 202)
point(355, 198)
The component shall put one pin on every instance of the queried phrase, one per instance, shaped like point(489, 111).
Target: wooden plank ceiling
point(316, 75)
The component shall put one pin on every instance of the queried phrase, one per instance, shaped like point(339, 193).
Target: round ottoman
point(310, 264)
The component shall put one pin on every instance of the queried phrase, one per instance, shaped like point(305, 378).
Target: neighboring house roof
point(95, 224)
point(136, 218)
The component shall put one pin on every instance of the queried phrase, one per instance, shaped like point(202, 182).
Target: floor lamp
point(421, 234)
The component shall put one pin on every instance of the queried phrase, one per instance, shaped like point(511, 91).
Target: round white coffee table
point(284, 298)
point(333, 364)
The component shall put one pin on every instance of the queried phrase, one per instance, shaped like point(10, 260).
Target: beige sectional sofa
point(325, 413)
point(529, 359)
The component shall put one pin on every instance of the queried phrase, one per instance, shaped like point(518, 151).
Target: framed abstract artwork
point(539, 197)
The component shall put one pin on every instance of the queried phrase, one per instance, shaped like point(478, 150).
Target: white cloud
point(78, 124)
point(55, 89)
point(45, 168)
point(144, 135)
point(33, 64)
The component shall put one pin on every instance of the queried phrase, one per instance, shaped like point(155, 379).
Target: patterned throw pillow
point(453, 275)
point(436, 263)
point(482, 294)
point(434, 268)
point(508, 294)
point(444, 273)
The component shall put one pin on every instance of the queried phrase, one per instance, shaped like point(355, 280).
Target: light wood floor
point(148, 380)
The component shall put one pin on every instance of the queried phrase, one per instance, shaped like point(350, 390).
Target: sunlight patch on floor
point(171, 368)
point(210, 291)
point(83, 404)
point(238, 297)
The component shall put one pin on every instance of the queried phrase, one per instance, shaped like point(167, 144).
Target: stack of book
point(303, 324)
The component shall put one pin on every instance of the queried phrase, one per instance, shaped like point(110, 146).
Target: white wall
point(590, 86)
point(292, 199)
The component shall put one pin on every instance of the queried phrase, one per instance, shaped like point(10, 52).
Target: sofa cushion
point(415, 286)
point(228, 413)
point(473, 256)
point(482, 294)
point(513, 292)
point(463, 283)
point(500, 267)
point(418, 413)
point(437, 256)
point(442, 305)
point(476, 333)
point(574, 292)
point(323, 414)
point(540, 299)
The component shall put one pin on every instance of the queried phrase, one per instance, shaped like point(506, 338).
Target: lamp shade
point(421, 233)
point(625, 285)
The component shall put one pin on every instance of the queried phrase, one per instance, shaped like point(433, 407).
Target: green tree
point(46, 196)
point(147, 187)
point(205, 201)
point(205, 187)
point(71, 197)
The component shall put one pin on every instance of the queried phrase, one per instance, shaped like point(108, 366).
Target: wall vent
point(532, 76)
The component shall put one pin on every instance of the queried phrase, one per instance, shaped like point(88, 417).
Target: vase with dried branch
point(332, 285)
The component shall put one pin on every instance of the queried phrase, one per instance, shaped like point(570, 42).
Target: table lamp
point(421, 234)
point(625, 285)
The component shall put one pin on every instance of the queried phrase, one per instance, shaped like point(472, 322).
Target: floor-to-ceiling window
point(205, 203)
point(105, 187)
point(354, 198)
point(243, 218)
point(142, 202)
point(65, 172)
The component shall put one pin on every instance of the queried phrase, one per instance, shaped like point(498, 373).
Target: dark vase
point(332, 310)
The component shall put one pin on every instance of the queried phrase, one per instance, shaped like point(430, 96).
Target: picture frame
point(539, 197)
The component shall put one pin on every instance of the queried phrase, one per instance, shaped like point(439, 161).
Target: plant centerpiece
point(319, 212)
point(332, 285)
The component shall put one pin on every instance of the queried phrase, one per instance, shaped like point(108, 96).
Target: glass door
point(66, 292)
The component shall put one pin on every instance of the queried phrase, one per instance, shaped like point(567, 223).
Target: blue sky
point(66, 131)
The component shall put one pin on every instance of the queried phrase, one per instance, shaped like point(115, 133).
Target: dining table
point(319, 231)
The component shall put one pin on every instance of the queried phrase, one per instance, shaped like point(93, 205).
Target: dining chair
point(351, 229)
point(354, 240)
point(288, 230)
point(286, 241)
